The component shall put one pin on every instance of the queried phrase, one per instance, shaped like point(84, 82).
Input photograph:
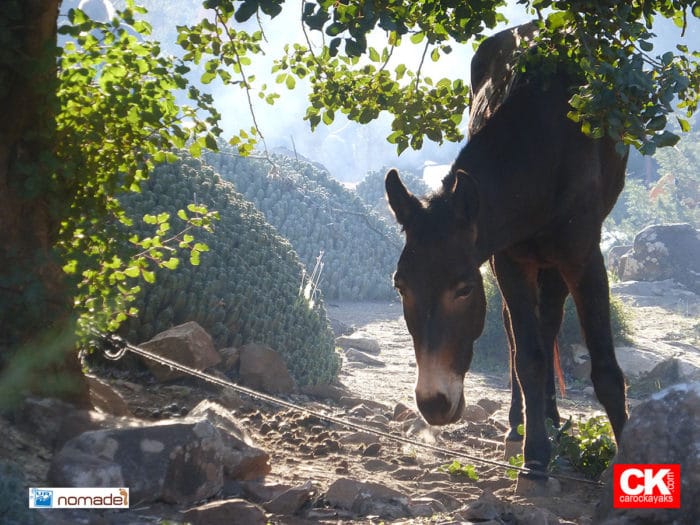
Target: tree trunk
point(37, 347)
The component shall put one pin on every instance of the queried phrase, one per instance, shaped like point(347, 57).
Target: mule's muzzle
point(439, 409)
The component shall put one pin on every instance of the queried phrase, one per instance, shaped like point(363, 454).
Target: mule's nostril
point(435, 408)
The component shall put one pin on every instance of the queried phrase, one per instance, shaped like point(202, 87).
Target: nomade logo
point(79, 498)
point(647, 486)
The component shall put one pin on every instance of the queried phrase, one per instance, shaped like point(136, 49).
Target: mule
point(529, 192)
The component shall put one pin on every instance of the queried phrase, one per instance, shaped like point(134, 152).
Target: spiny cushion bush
point(316, 213)
point(246, 288)
point(491, 349)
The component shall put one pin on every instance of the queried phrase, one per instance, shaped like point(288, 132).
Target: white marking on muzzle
point(435, 377)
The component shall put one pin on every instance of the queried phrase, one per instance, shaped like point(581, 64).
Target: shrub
point(246, 288)
point(318, 214)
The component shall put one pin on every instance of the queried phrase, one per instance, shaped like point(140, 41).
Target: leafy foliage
point(118, 117)
point(625, 90)
point(674, 197)
point(588, 446)
point(317, 214)
point(246, 286)
point(459, 469)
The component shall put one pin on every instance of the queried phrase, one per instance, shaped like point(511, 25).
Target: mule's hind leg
point(589, 287)
point(553, 292)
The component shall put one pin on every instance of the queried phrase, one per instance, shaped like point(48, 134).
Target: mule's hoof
point(513, 448)
point(544, 485)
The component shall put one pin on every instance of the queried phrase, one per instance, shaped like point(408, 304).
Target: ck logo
point(647, 486)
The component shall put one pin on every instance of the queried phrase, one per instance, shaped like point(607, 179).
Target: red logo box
point(647, 486)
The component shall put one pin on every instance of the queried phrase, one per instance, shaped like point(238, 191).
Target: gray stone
point(173, 462)
point(105, 399)
point(290, 501)
point(226, 512)
point(188, 344)
point(355, 356)
point(665, 429)
point(474, 414)
point(425, 507)
point(664, 251)
point(358, 342)
point(264, 369)
point(367, 498)
point(491, 406)
point(230, 360)
point(242, 460)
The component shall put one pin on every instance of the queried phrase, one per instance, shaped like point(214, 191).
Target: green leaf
point(132, 271)
point(685, 125)
point(245, 11)
point(417, 38)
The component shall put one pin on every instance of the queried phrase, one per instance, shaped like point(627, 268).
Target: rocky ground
point(321, 472)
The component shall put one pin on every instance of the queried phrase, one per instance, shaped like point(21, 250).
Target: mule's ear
point(466, 196)
point(402, 202)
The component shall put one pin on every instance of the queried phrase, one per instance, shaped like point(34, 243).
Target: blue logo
point(41, 498)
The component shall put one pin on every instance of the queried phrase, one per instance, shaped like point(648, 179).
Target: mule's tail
point(558, 370)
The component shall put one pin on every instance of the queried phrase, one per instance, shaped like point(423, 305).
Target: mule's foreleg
point(518, 284)
point(515, 414)
point(553, 292)
point(589, 287)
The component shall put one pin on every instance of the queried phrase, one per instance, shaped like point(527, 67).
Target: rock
point(368, 499)
point(664, 251)
point(356, 356)
point(358, 342)
point(175, 462)
point(403, 412)
point(188, 344)
point(489, 509)
point(534, 487)
point(425, 507)
point(614, 255)
point(474, 414)
point(353, 438)
point(241, 459)
point(448, 500)
point(324, 391)
point(378, 465)
point(635, 362)
point(230, 359)
point(665, 429)
point(226, 512)
point(372, 450)
point(105, 399)
point(665, 374)
point(290, 501)
point(55, 422)
point(491, 406)
point(264, 369)
point(340, 328)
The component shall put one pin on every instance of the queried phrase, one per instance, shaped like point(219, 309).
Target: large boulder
point(188, 344)
point(173, 462)
point(664, 251)
point(241, 458)
point(261, 368)
point(663, 430)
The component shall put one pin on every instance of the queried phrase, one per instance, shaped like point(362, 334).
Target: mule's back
point(493, 73)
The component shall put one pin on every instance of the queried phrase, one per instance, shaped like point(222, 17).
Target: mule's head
point(441, 288)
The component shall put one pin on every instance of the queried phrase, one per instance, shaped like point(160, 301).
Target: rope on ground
point(115, 347)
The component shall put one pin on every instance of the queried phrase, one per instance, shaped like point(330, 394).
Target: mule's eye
point(463, 291)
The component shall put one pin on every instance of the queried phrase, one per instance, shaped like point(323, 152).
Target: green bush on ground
point(246, 288)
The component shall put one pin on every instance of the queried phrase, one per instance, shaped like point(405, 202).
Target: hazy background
point(347, 149)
